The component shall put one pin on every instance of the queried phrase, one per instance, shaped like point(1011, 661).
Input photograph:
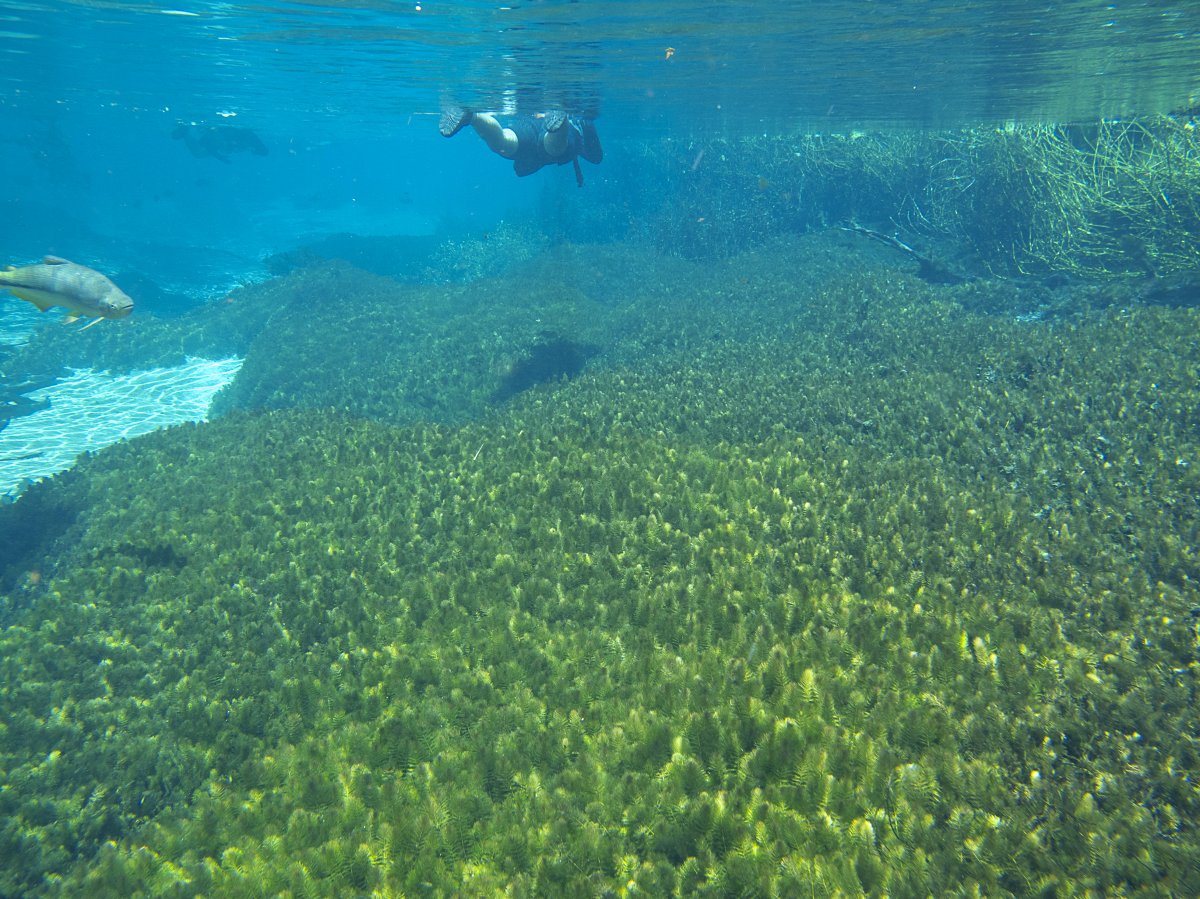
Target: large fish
point(82, 291)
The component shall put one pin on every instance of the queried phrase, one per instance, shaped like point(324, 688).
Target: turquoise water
point(345, 97)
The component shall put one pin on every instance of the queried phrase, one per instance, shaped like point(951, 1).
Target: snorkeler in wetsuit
point(553, 138)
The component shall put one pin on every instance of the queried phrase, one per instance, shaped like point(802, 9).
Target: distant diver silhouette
point(219, 141)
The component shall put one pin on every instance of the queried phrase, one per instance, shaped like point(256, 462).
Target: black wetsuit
point(582, 140)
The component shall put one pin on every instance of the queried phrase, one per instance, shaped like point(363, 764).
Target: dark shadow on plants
point(30, 527)
point(161, 556)
point(552, 358)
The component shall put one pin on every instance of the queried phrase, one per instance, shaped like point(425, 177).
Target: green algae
point(812, 585)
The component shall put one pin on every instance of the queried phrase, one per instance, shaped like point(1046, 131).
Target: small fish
point(82, 291)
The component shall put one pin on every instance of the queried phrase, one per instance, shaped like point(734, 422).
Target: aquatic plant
point(490, 255)
point(1091, 200)
point(400, 353)
point(817, 586)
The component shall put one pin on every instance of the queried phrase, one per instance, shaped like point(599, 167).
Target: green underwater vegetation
point(816, 580)
point(400, 353)
point(1091, 200)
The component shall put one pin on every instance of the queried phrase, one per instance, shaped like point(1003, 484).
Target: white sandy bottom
point(91, 410)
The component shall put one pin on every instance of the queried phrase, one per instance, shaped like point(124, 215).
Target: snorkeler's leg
point(454, 119)
point(499, 139)
point(554, 141)
point(591, 150)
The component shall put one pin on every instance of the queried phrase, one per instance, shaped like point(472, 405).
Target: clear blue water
point(346, 94)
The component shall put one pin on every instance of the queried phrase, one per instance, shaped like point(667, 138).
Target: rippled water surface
point(352, 65)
